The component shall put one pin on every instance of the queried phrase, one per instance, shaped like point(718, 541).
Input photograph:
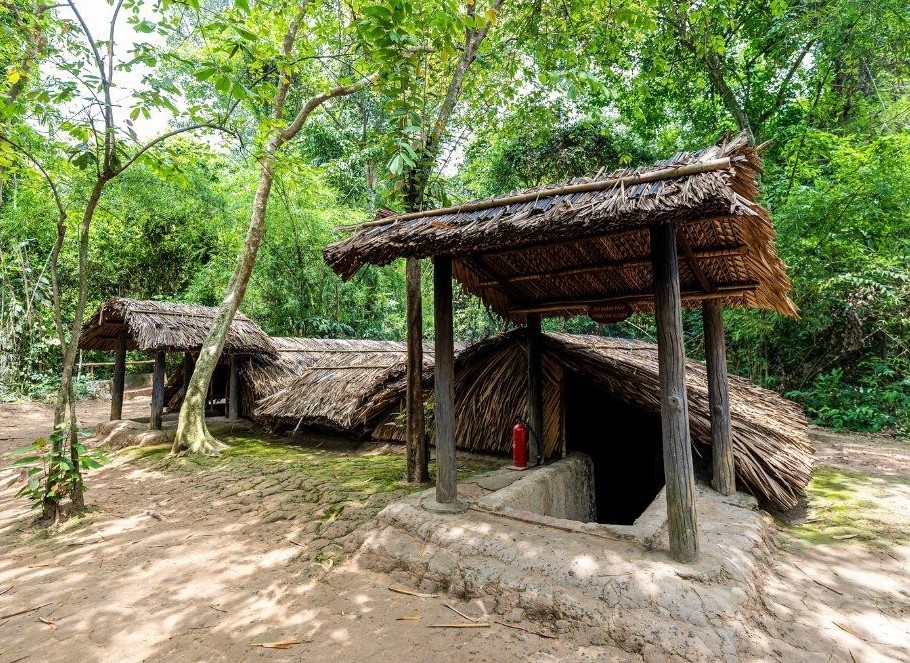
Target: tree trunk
point(417, 457)
point(716, 74)
point(192, 433)
point(66, 393)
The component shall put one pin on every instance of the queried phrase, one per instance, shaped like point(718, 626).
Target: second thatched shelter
point(343, 385)
point(602, 397)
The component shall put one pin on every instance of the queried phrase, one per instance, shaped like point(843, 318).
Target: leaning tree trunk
point(192, 433)
point(66, 400)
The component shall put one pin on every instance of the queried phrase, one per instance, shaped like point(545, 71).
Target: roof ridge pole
point(444, 412)
point(724, 473)
point(674, 407)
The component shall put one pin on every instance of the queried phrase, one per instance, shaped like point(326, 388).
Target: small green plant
point(49, 471)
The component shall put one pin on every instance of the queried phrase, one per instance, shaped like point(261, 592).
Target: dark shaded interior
point(623, 441)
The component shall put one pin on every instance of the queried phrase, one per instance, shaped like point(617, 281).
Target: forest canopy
point(553, 90)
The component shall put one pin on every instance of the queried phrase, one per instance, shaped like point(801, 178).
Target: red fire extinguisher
point(519, 446)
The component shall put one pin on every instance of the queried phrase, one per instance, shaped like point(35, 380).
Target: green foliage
point(49, 471)
point(559, 89)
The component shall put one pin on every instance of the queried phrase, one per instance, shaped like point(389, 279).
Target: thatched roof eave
point(152, 326)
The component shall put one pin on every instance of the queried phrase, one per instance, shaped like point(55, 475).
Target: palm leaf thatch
point(583, 247)
point(341, 385)
point(773, 455)
point(152, 326)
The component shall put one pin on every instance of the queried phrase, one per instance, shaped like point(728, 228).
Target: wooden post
point(233, 408)
point(119, 380)
point(724, 477)
point(444, 414)
point(535, 390)
point(674, 408)
point(416, 450)
point(157, 391)
point(188, 367)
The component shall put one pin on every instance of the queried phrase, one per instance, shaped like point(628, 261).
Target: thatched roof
point(587, 250)
point(773, 455)
point(340, 384)
point(151, 326)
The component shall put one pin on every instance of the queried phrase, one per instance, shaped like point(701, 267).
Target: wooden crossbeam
point(719, 293)
point(692, 259)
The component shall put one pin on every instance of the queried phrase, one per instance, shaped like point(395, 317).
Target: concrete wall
point(562, 490)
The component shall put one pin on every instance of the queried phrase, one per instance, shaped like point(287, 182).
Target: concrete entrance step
point(614, 592)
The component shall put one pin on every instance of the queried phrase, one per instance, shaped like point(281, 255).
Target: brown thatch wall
point(771, 444)
point(342, 385)
point(152, 326)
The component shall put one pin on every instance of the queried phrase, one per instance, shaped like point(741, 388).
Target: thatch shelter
point(773, 455)
point(684, 230)
point(345, 386)
point(158, 328)
point(583, 247)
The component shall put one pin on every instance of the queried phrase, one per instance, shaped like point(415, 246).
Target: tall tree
point(73, 107)
point(422, 94)
point(312, 33)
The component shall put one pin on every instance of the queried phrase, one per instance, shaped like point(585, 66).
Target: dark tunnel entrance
point(624, 443)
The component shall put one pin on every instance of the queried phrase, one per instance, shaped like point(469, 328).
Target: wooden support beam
point(535, 390)
point(724, 475)
point(720, 292)
point(189, 365)
point(674, 408)
point(119, 379)
point(416, 446)
point(444, 413)
point(158, 391)
point(694, 265)
point(233, 408)
point(606, 266)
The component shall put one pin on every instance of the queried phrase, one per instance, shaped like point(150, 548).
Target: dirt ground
point(183, 560)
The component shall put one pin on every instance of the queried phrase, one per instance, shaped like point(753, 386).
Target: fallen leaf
point(49, 622)
point(409, 618)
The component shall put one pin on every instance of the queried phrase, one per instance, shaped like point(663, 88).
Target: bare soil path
point(184, 560)
point(198, 561)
